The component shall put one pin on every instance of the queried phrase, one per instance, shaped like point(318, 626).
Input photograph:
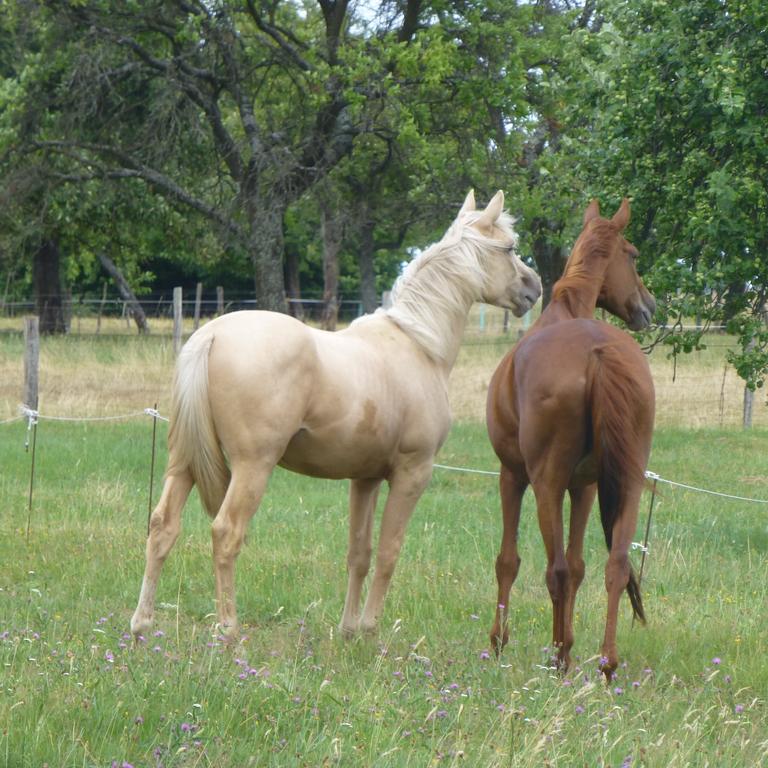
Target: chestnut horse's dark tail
point(614, 399)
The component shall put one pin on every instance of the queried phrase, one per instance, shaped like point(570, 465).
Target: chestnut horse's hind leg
point(164, 528)
point(362, 505)
point(549, 506)
point(617, 571)
point(581, 505)
point(512, 486)
point(405, 488)
point(242, 499)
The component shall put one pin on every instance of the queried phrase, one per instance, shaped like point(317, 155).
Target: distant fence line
point(161, 306)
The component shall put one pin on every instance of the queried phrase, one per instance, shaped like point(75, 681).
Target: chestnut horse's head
point(622, 292)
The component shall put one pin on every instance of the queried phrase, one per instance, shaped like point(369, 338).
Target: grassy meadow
point(76, 692)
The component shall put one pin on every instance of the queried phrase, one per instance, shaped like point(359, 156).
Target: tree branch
point(133, 169)
point(275, 34)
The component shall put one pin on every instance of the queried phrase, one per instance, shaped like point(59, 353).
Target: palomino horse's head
point(622, 292)
point(507, 281)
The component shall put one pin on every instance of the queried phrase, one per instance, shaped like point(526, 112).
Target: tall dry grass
point(89, 375)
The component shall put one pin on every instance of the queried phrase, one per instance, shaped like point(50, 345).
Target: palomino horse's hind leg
point(512, 487)
point(228, 532)
point(362, 505)
point(617, 571)
point(405, 488)
point(164, 528)
point(581, 505)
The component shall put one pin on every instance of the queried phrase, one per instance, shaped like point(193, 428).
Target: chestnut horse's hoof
point(498, 642)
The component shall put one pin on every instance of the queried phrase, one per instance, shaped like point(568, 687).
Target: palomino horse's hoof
point(140, 628)
point(229, 633)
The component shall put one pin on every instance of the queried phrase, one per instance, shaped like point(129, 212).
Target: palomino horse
point(571, 408)
point(369, 403)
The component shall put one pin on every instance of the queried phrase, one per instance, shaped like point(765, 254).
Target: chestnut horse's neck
point(575, 294)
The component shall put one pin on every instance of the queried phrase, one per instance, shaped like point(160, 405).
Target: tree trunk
point(550, 260)
point(126, 294)
point(293, 284)
point(266, 249)
point(332, 235)
point(368, 294)
point(46, 281)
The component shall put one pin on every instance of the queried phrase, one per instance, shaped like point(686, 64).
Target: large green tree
point(232, 110)
point(672, 111)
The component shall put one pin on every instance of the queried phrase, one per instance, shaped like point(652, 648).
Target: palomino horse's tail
point(614, 398)
point(192, 441)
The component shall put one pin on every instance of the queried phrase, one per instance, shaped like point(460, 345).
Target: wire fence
point(84, 315)
point(34, 417)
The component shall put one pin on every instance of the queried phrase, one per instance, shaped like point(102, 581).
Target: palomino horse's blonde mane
point(443, 280)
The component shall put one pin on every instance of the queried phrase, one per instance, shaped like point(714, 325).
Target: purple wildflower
point(579, 709)
point(716, 661)
point(618, 690)
point(186, 728)
point(739, 708)
point(485, 655)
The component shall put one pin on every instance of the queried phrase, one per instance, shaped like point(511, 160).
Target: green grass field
point(75, 692)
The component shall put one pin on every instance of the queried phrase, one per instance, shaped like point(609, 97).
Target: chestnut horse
point(571, 408)
point(256, 389)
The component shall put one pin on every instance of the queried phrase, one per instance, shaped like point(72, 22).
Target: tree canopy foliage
point(211, 139)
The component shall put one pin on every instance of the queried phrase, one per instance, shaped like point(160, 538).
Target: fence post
point(198, 300)
point(177, 320)
point(101, 307)
point(219, 300)
point(749, 397)
point(31, 360)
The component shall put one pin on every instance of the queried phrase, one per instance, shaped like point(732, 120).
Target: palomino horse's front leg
point(512, 486)
point(617, 571)
point(405, 488)
point(362, 505)
point(164, 528)
point(228, 532)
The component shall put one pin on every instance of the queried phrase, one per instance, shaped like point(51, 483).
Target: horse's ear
point(469, 202)
point(621, 217)
point(592, 212)
point(493, 211)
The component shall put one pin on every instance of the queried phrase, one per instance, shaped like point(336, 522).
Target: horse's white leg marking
point(362, 505)
point(228, 531)
point(164, 528)
point(405, 488)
